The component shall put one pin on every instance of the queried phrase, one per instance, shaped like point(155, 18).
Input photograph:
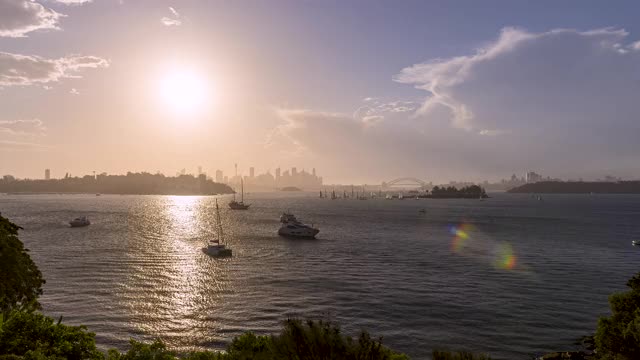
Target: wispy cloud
point(20, 17)
point(29, 127)
point(74, 91)
point(73, 2)
point(174, 20)
point(443, 78)
point(24, 70)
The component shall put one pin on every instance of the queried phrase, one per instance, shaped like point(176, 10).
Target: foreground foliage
point(462, 355)
point(20, 280)
point(618, 336)
point(31, 335)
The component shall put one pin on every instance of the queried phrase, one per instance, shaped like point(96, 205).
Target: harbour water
point(510, 276)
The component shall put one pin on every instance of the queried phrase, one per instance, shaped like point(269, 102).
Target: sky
point(363, 91)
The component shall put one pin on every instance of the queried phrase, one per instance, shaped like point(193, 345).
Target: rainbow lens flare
point(505, 258)
point(469, 242)
point(461, 234)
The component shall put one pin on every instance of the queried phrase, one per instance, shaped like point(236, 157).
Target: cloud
point(518, 62)
point(74, 91)
point(73, 2)
point(174, 20)
point(24, 70)
point(31, 127)
point(561, 102)
point(374, 110)
point(20, 17)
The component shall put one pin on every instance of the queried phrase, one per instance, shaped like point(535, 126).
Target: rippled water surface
point(510, 276)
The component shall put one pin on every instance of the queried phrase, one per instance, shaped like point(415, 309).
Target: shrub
point(35, 336)
point(20, 280)
point(618, 337)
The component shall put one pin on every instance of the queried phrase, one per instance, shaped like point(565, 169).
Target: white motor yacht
point(291, 227)
point(80, 222)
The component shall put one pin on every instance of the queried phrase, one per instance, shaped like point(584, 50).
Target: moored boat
point(80, 222)
point(216, 248)
point(291, 227)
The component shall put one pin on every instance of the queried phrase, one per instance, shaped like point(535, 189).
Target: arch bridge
point(405, 182)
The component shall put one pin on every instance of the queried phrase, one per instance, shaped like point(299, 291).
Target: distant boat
point(235, 205)
point(80, 222)
point(291, 227)
point(422, 211)
point(216, 248)
point(635, 242)
point(98, 194)
point(321, 194)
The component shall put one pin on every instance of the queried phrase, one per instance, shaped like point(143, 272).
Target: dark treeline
point(451, 192)
point(579, 187)
point(132, 183)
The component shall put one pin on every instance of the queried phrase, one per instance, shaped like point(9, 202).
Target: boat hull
point(301, 234)
point(238, 206)
point(219, 253)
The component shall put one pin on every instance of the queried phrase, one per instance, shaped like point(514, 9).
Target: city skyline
point(287, 82)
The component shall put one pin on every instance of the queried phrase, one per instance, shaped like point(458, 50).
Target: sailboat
point(234, 205)
point(216, 248)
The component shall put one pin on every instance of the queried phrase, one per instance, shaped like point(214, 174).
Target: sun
point(184, 91)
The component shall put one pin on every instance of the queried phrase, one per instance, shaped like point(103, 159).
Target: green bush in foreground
point(20, 280)
point(35, 336)
point(463, 355)
point(618, 337)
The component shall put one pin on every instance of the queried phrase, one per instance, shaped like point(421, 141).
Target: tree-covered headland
point(131, 183)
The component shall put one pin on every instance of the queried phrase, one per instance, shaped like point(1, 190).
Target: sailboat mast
point(241, 191)
point(220, 234)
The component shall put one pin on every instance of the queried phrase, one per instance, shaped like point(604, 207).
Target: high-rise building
point(47, 174)
point(313, 171)
point(219, 176)
point(199, 169)
point(294, 171)
point(277, 174)
point(252, 172)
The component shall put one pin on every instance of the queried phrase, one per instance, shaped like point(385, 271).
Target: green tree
point(20, 280)
point(618, 336)
point(32, 335)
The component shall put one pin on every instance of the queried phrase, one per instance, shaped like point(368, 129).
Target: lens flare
point(469, 242)
point(461, 234)
point(505, 258)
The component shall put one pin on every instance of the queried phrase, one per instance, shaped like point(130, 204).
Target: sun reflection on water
point(183, 285)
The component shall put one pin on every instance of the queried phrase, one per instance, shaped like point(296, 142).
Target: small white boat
point(215, 248)
point(80, 222)
point(291, 227)
point(635, 242)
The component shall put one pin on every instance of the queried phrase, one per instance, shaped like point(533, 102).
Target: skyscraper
point(219, 176)
point(294, 171)
point(47, 174)
point(252, 172)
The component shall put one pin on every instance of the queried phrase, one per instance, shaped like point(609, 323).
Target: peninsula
point(579, 187)
point(130, 184)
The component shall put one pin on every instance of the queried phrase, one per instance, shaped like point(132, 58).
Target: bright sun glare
point(185, 92)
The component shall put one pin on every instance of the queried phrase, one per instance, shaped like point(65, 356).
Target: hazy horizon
point(363, 91)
